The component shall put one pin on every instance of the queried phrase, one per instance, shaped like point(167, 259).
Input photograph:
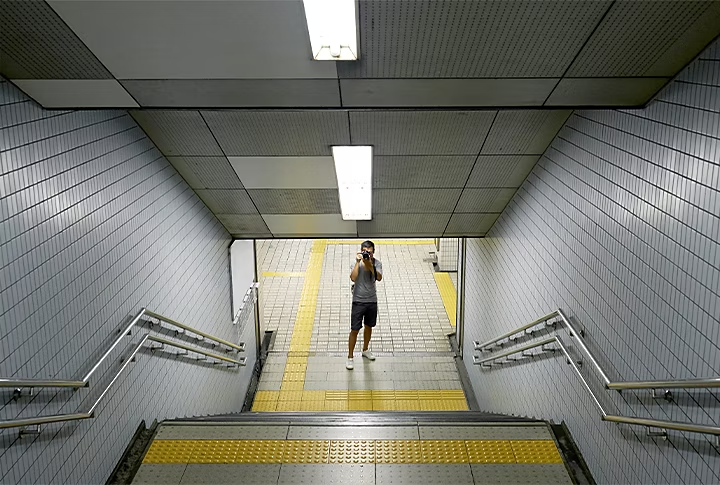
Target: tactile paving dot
point(398, 451)
point(169, 451)
point(260, 451)
point(306, 451)
point(214, 451)
point(444, 451)
point(536, 451)
point(356, 451)
point(490, 451)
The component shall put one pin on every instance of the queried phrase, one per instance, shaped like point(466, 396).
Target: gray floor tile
point(211, 474)
point(320, 474)
point(475, 432)
point(409, 432)
point(160, 474)
point(455, 474)
point(550, 474)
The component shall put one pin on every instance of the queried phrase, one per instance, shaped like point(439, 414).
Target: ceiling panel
point(244, 226)
point(178, 132)
point(295, 201)
point(77, 93)
point(222, 201)
point(36, 44)
point(235, 93)
point(421, 132)
point(421, 171)
point(278, 133)
point(605, 92)
point(484, 200)
point(286, 172)
point(407, 201)
point(636, 38)
point(403, 225)
point(184, 39)
point(322, 225)
point(207, 172)
point(501, 170)
point(402, 93)
point(470, 224)
point(527, 132)
point(471, 38)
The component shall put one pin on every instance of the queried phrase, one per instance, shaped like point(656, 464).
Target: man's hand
point(358, 257)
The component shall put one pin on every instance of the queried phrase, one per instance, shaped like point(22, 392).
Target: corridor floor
point(305, 299)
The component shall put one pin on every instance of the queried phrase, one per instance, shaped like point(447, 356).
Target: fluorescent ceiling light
point(333, 34)
point(353, 167)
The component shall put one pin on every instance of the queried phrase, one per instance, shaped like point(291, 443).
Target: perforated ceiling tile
point(457, 474)
point(285, 172)
point(299, 225)
point(391, 172)
point(235, 93)
point(77, 93)
point(296, 201)
point(421, 132)
point(207, 172)
point(211, 474)
point(525, 132)
point(470, 224)
point(403, 93)
point(178, 132)
point(222, 201)
point(278, 133)
point(501, 170)
point(649, 38)
point(484, 200)
point(401, 225)
point(605, 92)
point(402, 201)
point(470, 39)
point(36, 44)
point(244, 225)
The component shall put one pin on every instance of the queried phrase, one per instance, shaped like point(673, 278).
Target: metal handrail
point(655, 423)
point(695, 383)
point(85, 381)
point(38, 420)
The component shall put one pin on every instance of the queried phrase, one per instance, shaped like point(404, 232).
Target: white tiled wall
point(94, 225)
point(618, 225)
point(448, 254)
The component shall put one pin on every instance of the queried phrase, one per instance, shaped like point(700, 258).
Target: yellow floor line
point(352, 451)
point(282, 273)
point(448, 294)
point(380, 242)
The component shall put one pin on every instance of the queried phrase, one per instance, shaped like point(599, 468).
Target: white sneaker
point(368, 355)
point(349, 364)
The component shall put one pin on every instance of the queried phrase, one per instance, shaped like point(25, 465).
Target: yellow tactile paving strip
point(352, 451)
point(283, 273)
point(448, 295)
point(380, 242)
point(361, 400)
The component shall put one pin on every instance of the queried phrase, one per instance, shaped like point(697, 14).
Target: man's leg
point(352, 341)
point(366, 337)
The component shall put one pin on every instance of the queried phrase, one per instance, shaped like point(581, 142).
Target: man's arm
point(354, 272)
point(378, 272)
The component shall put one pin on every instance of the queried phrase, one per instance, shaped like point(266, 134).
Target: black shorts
point(360, 311)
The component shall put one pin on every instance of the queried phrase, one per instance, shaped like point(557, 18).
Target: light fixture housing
point(353, 168)
point(332, 28)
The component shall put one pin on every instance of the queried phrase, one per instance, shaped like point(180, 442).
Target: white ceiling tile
point(190, 39)
point(77, 93)
point(285, 172)
point(299, 225)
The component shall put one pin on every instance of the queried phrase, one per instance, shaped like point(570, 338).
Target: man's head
point(367, 246)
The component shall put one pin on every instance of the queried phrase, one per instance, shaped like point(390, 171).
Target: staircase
point(355, 447)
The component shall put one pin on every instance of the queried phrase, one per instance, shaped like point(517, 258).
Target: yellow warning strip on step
point(380, 242)
point(359, 400)
point(281, 273)
point(448, 295)
point(352, 451)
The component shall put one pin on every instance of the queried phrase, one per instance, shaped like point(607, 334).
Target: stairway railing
point(531, 328)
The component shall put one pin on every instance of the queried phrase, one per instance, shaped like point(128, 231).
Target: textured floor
point(280, 453)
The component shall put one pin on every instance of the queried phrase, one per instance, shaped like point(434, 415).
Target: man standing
point(365, 272)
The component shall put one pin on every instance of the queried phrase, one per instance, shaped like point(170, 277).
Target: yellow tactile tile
point(297, 360)
point(406, 394)
point(336, 405)
point(432, 405)
point(260, 451)
point(360, 405)
point(535, 451)
point(312, 406)
point(214, 451)
point(266, 396)
point(169, 451)
point(452, 394)
point(296, 367)
point(391, 242)
point(299, 354)
point(336, 395)
point(359, 395)
point(398, 451)
point(313, 395)
point(407, 405)
point(448, 295)
point(264, 406)
point(490, 451)
point(454, 405)
point(284, 406)
point(306, 451)
point(352, 452)
point(444, 451)
point(383, 405)
point(290, 395)
point(292, 385)
point(383, 394)
point(294, 376)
